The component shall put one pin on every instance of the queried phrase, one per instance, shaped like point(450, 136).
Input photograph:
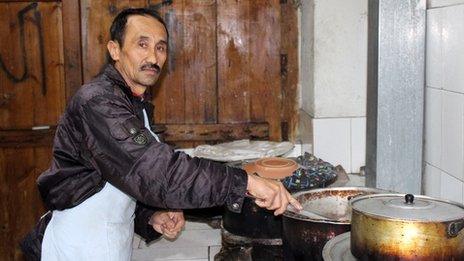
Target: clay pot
point(273, 168)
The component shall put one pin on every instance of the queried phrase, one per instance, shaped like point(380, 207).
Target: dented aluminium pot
point(406, 227)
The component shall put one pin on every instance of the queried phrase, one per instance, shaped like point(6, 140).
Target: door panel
point(21, 204)
point(224, 63)
point(249, 88)
point(31, 65)
point(33, 92)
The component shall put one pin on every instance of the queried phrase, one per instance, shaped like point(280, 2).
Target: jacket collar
point(138, 102)
point(113, 74)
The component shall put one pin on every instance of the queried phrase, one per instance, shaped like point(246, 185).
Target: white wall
point(442, 3)
point(333, 78)
point(444, 103)
point(340, 58)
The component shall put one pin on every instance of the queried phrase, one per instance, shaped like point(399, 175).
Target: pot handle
point(454, 228)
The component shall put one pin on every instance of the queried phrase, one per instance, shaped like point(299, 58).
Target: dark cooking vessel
point(304, 236)
point(406, 227)
point(253, 221)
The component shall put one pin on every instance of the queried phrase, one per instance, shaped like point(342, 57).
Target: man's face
point(143, 53)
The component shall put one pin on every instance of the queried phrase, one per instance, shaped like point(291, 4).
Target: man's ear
point(113, 49)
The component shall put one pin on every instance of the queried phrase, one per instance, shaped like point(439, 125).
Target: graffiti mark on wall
point(37, 22)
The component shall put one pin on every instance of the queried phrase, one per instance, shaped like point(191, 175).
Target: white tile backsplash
point(443, 3)
point(451, 188)
point(453, 134)
point(433, 126)
point(358, 143)
point(452, 44)
point(341, 141)
point(432, 181)
point(434, 58)
point(332, 141)
point(444, 104)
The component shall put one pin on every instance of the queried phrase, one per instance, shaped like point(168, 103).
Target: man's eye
point(161, 48)
point(144, 45)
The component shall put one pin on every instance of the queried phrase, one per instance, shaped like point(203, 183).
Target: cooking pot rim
point(361, 188)
point(364, 197)
point(294, 215)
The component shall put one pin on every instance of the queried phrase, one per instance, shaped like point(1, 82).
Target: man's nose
point(153, 57)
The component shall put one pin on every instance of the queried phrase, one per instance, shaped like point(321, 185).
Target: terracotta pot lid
point(274, 168)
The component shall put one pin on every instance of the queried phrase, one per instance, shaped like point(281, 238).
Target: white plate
point(338, 249)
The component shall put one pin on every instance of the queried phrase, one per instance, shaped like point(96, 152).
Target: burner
point(239, 248)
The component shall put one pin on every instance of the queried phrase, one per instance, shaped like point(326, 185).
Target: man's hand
point(270, 194)
point(168, 223)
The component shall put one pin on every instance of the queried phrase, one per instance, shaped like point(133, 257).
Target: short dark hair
point(118, 27)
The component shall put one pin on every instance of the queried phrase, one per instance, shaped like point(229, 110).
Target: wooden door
point(228, 73)
point(231, 74)
point(32, 97)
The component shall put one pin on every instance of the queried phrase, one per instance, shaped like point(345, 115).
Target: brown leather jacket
point(101, 138)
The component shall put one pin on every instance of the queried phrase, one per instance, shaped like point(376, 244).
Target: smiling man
point(110, 173)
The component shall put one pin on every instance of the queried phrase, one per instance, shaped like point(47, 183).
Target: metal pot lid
point(408, 207)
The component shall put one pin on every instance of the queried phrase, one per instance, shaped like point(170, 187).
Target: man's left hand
point(168, 223)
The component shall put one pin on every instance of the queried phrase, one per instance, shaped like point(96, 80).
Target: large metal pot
point(406, 227)
point(303, 235)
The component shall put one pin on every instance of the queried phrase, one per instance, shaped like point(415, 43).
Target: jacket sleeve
point(128, 157)
point(141, 226)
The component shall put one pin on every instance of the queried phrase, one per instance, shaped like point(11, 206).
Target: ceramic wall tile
point(432, 181)
point(452, 160)
point(451, 188)
point(358, 143)
point(332, 141)
point(433, 126)
point(453, 53)
point(434, 57)
point(443, 3)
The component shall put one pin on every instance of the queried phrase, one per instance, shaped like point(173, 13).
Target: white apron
point(100, 228)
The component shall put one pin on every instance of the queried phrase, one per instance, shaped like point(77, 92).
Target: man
point(108, 165)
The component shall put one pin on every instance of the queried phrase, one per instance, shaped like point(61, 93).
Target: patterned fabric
point(313, 173)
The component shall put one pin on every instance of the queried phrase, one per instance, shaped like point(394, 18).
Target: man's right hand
point(270, 194)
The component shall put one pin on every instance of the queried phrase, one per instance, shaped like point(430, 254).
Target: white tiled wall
point(444, 105)
point(341, 141)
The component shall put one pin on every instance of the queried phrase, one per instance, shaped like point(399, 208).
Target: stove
point(240, 248)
